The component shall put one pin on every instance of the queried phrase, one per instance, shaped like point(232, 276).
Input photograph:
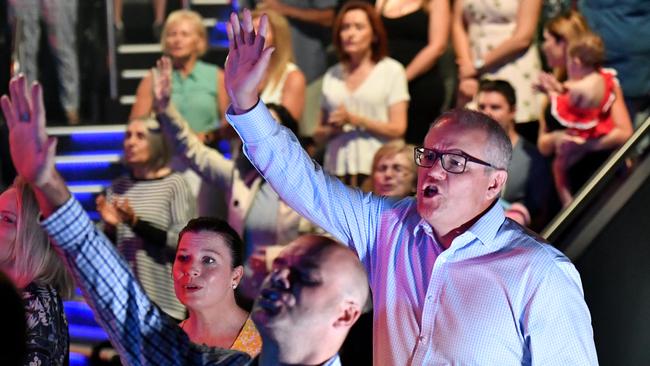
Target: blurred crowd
point(359, 84)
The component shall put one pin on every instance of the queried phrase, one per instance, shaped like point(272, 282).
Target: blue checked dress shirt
point(141, 333)
point(497, 296)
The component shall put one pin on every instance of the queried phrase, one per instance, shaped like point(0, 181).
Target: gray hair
point(499, 147)
point(159, 148)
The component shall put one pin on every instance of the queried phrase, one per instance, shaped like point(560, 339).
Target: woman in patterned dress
point(27, 257)
point(495, 39)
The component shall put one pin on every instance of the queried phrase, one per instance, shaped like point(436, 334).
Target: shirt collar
point(484, 229)
point(192, 74)
point(334, 361)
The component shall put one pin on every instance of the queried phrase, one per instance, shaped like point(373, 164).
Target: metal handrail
point(595, 184)
point(112, 54)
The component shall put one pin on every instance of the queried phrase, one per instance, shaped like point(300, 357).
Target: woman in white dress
point(284, 83)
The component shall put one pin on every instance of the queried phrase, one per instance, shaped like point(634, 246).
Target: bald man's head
point(315, 293)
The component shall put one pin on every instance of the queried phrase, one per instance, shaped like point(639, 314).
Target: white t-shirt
point(273, 94)
point(352, 151)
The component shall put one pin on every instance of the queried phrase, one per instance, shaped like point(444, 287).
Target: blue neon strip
point(77, 359)
point(67, 165)
point(87, 333)
point(95, 152)
point(89, 183)
point(97, 137)
point(82, 196)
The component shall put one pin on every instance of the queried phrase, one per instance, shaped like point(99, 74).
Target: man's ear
point(497, 183)
point(350, 312)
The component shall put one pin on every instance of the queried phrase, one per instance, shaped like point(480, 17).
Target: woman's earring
point(234, 286)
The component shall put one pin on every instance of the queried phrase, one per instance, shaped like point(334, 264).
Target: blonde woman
point(394, 173)
point(284, 83)
point(198, 90)
point(29, 260)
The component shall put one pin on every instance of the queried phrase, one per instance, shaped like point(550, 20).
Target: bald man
point(309, 302)
point(315, 293)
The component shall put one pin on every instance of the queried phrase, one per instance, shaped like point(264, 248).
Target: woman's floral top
point(47, 327)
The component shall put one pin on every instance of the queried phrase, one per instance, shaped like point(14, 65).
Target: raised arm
point(346, 213)
point(207, 162)
point(136, 327)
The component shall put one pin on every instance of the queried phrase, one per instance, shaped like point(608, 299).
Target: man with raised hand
point(453, 280)
point(313, 296)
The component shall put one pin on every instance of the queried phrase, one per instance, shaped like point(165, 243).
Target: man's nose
point(436, 170)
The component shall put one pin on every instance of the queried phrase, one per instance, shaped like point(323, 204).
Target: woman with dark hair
point(365, 95)
point(207, 271)
point(29, 260)
point(144, 211)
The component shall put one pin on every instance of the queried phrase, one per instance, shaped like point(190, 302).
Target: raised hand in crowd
point(32, 151)
point(162, 84)
point(247, 60)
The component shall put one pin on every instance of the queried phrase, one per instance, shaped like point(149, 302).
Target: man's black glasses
point(451, 162)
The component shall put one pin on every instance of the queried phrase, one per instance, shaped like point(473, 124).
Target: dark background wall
point(615, 273)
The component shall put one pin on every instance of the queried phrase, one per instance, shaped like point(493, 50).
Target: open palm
point(247, 60)
point(32, 151)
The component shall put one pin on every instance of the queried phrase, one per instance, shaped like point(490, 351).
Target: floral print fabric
point(47, 327)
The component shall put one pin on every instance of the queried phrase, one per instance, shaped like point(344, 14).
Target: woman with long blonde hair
point(284, 84)
point(29, 260)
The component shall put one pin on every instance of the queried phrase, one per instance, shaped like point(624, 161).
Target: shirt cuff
point(254, 125)
point(68, 223)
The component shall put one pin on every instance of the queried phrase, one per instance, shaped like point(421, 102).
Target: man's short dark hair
point(219, 227)
point(499, 86)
